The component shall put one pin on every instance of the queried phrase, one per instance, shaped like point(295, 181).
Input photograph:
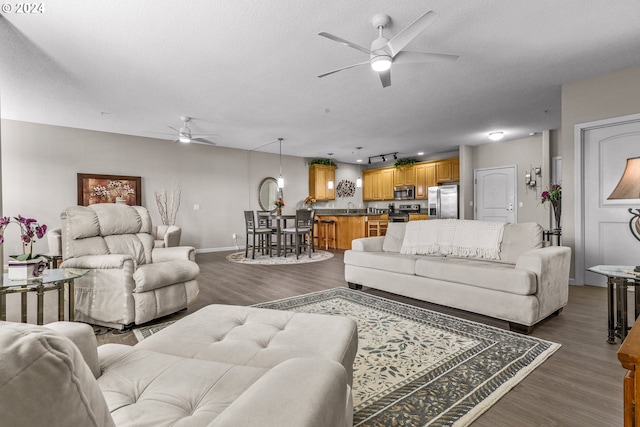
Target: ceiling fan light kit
point(384, 52)
point(184, 133)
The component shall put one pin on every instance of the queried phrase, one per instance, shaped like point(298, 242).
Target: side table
point(51, 280)
point(549, 235)
point(618, 279)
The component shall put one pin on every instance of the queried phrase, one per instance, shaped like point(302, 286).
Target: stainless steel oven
point(406, 192)
point(402, 213)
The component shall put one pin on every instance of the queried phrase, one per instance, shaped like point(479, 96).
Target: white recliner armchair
point(166, 236)
point(129, 282)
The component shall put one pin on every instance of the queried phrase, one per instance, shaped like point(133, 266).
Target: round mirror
point(267, 194)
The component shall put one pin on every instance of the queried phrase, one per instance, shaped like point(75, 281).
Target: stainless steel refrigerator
point(443, 202)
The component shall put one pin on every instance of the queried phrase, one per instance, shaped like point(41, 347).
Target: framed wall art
point(94, 189)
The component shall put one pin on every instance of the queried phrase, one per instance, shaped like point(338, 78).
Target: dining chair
point(259, 235)
point(301, 233)
point(265, 221)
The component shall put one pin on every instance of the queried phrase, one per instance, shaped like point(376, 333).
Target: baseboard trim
point(228, 248)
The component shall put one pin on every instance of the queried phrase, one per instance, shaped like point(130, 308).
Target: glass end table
point(51, 280)
point(619, 278)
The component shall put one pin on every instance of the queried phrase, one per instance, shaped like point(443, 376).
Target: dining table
point(281, 223)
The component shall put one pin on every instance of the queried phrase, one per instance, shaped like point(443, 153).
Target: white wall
point(608, 95)
point(523, 153)
point(40, 165)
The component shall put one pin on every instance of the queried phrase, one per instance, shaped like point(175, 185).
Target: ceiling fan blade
point(405, 36)
point(385, 77)
point(202, 141)
point(344, 68)
point(171, 127)
point(345, 42)
point(405, 57)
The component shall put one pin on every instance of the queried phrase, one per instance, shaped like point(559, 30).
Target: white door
point(607, 238)
point(495, 194)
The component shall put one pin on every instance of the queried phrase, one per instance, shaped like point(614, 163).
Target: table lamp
point(629, 188)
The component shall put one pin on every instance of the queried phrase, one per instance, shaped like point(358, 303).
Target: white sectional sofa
point(494, 269)
point(223, 366)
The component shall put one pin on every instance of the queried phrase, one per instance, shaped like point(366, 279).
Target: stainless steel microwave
point(406, 192)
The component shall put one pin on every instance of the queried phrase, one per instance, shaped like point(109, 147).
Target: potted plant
point(326, 162)
point(404, 162)
point(26, 265)
point(554, 196)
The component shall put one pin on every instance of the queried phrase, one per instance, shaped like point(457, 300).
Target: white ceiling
point(246, 69)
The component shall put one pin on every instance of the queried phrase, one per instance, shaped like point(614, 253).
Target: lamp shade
point(629, 185)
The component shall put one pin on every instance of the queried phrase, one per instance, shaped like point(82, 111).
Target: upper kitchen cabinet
point(404, 175)
point(319, 177)
point(445, 170)
point(425, 178)
point(377, 184)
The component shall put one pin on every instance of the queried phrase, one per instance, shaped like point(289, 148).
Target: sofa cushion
point(388, 261)
point(158, 275)
point(394, 237)
point(257, 337)
point(481, 273)
point(518, 239)
point(45, 381)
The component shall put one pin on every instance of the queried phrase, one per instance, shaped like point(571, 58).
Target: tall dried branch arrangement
point(168, 204)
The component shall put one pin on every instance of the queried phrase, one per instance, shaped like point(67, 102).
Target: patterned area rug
point(260, 259)
point(416, 367)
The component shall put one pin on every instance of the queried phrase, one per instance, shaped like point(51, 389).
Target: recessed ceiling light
point(421, 153)
point(359, 160)
point(496, 136)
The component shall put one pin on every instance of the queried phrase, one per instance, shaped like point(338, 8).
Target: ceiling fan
point(185, 136)
point(383, 51)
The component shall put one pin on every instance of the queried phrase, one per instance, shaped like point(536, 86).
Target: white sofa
point(497, 270)
point(223, 366)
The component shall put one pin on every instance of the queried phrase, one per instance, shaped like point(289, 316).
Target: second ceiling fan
point(384, 52)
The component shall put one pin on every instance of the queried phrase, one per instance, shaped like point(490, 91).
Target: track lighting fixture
point(383, 157)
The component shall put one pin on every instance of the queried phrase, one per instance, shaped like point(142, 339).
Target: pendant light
point(359, 160)
point(280, 178)
point(330, 182)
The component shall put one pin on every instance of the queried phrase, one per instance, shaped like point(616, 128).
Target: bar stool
point(329, 222)
point(377, 227)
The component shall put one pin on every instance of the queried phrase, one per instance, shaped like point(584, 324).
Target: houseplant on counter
point(27, 265)
point(309, 201)
point(279, 205)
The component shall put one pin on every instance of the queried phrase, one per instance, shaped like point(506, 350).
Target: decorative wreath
point(346, 188)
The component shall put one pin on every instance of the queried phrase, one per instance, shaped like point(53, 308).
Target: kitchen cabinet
point(455, 169)
point(319, 177)
point(425, 178)
point(445, 170)
point(387, 184)
point(367, 185)
point(377, 184)
point(348, 228)
point(418, 217)
point(404, 175)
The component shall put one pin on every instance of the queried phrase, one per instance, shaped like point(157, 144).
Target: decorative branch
point(168, 204)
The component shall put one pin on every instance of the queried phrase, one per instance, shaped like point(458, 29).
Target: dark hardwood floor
point(580, 385)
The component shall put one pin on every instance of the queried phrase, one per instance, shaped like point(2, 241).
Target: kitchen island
point(349, 226)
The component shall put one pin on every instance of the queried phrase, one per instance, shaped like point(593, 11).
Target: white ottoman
point(258, 337)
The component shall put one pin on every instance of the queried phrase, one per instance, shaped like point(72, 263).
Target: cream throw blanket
point(421, 237)
point(458, 237)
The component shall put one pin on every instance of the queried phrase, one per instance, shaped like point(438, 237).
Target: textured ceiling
point(246, 70)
